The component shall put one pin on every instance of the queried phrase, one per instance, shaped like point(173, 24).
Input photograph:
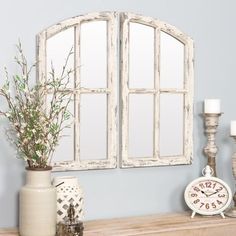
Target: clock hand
point(204, 193)
point(212, 194)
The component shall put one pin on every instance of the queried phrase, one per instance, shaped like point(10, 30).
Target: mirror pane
point(171, 62)
point(171, 124)
point(93, 54)
point(141, 57)
point(140, 125)
point(65, 149)
point(58, 48)
point(93, 126)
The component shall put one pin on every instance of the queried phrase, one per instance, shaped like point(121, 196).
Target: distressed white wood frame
point(110, 90)
point(187, 91)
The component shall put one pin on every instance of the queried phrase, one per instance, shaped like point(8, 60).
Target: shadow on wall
point(177, 194)
point(200, 134)
point(11, 180)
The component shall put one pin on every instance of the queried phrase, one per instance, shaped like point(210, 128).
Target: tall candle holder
point(211, 124)
point(232, 211)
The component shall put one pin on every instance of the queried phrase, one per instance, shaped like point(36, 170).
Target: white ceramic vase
point(37, 204)
point(68, 192)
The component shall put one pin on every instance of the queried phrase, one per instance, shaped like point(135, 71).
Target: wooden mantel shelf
point(161, 225)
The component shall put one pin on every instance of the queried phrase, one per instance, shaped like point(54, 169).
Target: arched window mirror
point(91, 140)
point(156, 89)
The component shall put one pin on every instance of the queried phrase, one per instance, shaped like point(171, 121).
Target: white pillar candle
point(212, 106)
point(233, 128)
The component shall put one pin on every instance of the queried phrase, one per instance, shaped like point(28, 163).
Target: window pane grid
point(77, 90)
point(181, 91)
point(90, 89)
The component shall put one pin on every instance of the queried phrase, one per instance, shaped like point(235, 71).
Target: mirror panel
point(93, 54)
point(141, 56)
point(57, 51)
point(166, 56)
point(171, 124)
point(140, 125)
point(171, 62)
point(93, 127)
point(66, 142)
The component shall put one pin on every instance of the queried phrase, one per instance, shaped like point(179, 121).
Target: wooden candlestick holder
point(232, 211)
point(211, 123)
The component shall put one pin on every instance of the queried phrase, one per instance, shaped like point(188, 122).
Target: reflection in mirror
point(93, 127)
point(66, 142)
point(171, 62)
point(57, 52)
point(157, 62)
point(93, 37)
point(156, 95)
point(140, 125)
point(141, 56)
point(171, 124)
point(93, 54)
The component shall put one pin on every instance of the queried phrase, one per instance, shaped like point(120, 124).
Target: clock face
point(208, 195)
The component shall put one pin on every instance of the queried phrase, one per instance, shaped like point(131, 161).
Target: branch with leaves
point(35, 125)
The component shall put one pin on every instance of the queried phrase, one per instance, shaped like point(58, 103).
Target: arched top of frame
point(158, 24)
point(72, 22)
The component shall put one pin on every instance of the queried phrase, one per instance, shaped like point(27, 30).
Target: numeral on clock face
point(213, 205)
point(202, 185)
point(219, 202)
point(213, 185)
point(196, 201)
point(219, 189)
point(196, 189)
point(207, 205)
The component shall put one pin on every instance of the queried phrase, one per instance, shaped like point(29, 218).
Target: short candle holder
point(232, 211)
point(211, 123)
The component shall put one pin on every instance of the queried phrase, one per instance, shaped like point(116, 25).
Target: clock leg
point(193, 214)
point(222, 214)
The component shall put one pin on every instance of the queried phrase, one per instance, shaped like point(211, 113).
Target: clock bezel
point(203, 178)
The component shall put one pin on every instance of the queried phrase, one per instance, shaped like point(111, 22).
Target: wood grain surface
point(163, 225)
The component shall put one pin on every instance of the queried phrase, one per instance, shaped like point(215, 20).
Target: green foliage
point(36, 128)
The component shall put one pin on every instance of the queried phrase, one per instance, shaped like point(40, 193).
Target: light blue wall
point(118, 193)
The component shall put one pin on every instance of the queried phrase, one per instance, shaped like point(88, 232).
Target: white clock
point(208, 195)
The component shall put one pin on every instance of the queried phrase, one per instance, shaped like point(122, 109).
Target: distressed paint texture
point(110, 17)
point(156, 159)
point(113, 18)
